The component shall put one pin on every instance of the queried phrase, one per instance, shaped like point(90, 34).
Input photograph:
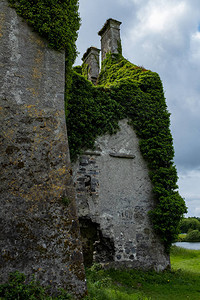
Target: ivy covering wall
point(56, 20)
point(125, 90)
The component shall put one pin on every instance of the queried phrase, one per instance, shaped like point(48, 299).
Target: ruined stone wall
point(110, 38)
point(91, 61)
point(114, 193)
point(39, 232)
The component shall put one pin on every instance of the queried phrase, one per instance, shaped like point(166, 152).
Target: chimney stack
point(110, 37)
point(91, 58)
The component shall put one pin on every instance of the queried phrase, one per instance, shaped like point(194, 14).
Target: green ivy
point(17, 287)
point(57, 21)
point(125, 90)
point(90, 112)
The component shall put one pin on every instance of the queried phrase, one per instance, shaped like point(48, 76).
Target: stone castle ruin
point(39, 225)
point(39, 230)
point(113, 188)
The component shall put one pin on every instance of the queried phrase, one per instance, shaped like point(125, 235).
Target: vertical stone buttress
point(110, 38)
point(39, 230)
point(91, 60)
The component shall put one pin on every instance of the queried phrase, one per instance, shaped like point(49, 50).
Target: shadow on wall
point(96, 247)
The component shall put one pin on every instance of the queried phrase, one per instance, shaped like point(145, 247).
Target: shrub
point(18, 288)
point(193, 236)
point(189, 223)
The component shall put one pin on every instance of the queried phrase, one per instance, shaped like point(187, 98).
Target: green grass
point(184, 259)
point(182, 282)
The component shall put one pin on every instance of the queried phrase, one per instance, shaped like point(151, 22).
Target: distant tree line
point(190, 226)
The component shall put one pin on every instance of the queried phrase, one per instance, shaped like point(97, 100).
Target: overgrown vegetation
point(128, 91)
point(181, 283)
point(18, 288)
point(91, 112)
point(124, 91)
point(133, 284)
point(57, 21)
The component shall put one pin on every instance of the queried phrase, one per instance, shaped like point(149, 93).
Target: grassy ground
point(187, 260)
point(183, 282)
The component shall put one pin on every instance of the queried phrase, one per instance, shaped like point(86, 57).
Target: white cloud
point(160, 32)
point(162, 16)
point(195, 48)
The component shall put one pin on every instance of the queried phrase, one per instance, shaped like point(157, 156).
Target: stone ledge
point(122, 155)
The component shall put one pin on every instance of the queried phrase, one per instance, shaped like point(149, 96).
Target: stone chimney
point(110, 37)
point(91, 58)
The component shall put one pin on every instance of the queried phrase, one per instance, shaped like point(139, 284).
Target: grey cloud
point(193, 208)
point(190, 189)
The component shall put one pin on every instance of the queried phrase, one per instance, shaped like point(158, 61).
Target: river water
point(187, 245)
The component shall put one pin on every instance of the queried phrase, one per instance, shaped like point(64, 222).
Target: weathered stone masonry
point(91, 61)
point(114, 194)
point(110, 37)
point(38, 233)
point(39, 230)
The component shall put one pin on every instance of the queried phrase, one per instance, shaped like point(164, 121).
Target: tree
point(193, 236)
point(189, 223)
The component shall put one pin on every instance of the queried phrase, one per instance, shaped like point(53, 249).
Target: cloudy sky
point(163, 36)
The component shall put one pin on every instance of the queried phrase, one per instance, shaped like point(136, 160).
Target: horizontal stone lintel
point(117, 155)
point(122, 155)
